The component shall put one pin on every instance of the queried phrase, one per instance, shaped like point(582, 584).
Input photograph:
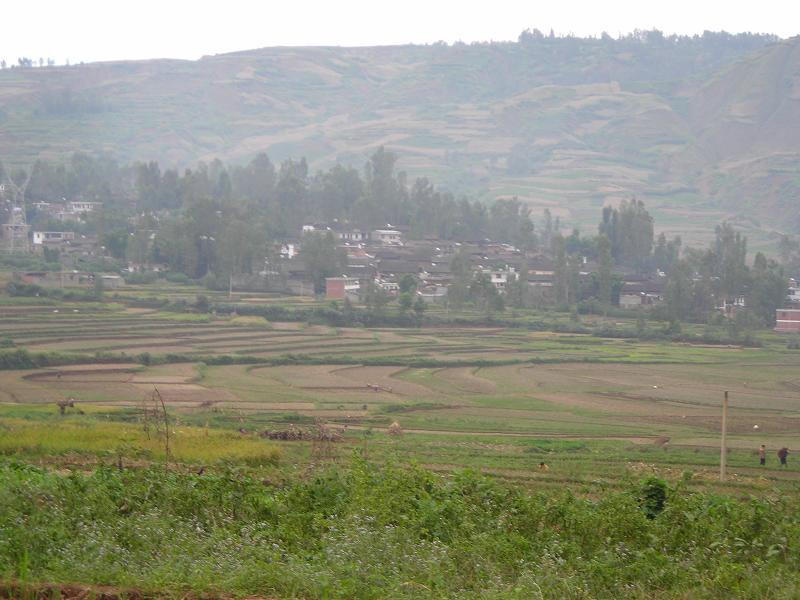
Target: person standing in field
point(762, 455)
point(782, 454)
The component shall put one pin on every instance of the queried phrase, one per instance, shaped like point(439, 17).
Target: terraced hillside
point(707, 129)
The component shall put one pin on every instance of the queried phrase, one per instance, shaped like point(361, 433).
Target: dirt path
point(77, 591)
point(637, 439)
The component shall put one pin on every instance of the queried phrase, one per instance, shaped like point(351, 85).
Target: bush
point(179, 278)
point(653, 496)
point(364, 531)
point(141, 278)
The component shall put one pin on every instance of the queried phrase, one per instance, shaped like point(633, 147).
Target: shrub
point(141, 278)
point(368, 531)
point(179, 278)
point(653, 496)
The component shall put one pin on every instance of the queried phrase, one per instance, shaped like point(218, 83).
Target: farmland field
point(151, 453)
point(497, 399)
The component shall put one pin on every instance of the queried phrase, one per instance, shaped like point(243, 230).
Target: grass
point(250, 322)
point(369, 532)
point(37, 440)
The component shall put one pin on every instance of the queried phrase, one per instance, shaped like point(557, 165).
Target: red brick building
point(337, 288)
point(787, 320)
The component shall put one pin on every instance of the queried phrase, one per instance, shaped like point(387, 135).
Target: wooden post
point(723, 451)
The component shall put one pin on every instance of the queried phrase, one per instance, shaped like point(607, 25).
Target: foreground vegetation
point(377, 532)
point(100, 484)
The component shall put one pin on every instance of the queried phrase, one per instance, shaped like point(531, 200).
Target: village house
point(793, 293)
point(52, 238)
point(641, 294)
point(436, 274)
point(353, 236)
point(288, 250)
point(73, 211)
point(339, 288)
point(387, 237)
point(500, 277)
point(787, 320)
point(392, 288)
point(295, 277)
point(83, 207)
point(112, 282)
point(433, 294)
point(315, 227)
point(729, 306)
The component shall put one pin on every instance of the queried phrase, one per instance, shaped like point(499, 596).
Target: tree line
point(700, 284)
point(217, 218)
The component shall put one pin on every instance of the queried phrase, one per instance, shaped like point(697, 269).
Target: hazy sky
point(91, 30)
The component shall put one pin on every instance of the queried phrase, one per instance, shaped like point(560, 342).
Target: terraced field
point(497, 399)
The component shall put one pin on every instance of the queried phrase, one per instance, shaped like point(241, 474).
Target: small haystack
point(395, 429)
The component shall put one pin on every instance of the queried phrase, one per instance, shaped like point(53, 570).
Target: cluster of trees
point(698, 282)
point(625, 240)
point(670, 56)
point(221, 219)
point(475, 288)
point(719, 276)
point(24, 62)
point(629, 230)
point(288, 196)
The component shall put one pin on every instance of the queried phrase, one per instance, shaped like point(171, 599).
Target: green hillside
point(702, 127)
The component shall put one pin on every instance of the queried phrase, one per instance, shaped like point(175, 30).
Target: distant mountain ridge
point(701, 128)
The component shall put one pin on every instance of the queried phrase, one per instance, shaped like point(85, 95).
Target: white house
point(501, 277)
point(387, 237)
point(83, 207)
point(52, 237)
point(353, 235)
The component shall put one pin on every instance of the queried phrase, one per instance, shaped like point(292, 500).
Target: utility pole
point(17, 227)
point(723, 451)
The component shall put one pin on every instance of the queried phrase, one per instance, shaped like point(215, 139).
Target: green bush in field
point(653, 496)
point(147, 277)
point(388, 532)
point(179, 278)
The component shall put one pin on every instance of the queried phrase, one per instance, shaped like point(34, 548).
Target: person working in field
point(762, 455)
point(782, 454)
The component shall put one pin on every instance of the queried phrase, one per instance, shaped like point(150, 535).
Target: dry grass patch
point(189, 444)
